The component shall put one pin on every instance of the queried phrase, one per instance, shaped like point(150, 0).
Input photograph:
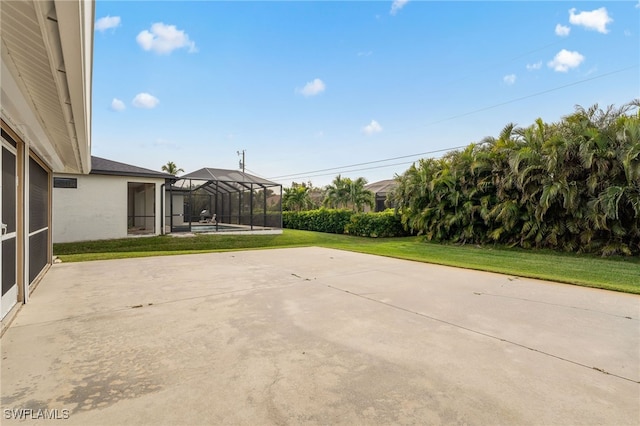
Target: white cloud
point(164, 39)
point(562, 31)
point(371, 128)
point(367, 53)
point(509, 79)
point(319, 134)
point(565, 60)
point(107, 22)
point(397, 5)
point(312, 88)
point(595, 20)
point(117, 105)
point(535, 66)
point(145, 100)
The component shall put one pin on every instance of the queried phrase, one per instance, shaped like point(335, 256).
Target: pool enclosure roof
point(224, 196)
point(221, 181)
point(226, 175)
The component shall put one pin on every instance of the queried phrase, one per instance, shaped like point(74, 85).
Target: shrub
point(381, 224)
point(331, 221)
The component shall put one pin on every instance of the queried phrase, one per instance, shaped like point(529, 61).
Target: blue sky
point(305, 86)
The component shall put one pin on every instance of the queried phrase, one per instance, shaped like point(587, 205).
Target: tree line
point(342, 193)
point(572, 185)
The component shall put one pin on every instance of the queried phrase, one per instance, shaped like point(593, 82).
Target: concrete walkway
point(317, 336)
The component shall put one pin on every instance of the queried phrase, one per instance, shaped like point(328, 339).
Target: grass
point(619, 274)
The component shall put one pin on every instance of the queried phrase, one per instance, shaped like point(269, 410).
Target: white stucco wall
point(97, 209)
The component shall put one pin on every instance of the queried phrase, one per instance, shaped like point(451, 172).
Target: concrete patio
point(317, 336)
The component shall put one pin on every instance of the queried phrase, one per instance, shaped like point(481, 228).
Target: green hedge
point(332, 221)
point(382, 224)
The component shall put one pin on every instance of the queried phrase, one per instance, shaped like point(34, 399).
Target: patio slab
point(317, 336)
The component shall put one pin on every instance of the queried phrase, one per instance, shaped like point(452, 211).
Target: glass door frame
point(10, 298)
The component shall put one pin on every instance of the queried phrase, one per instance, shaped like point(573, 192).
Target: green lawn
point(620, 274)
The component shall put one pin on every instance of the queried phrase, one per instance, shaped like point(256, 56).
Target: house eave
point(130, 174)
point(46, 76)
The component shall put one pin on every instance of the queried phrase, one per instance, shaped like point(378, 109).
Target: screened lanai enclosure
point(220, 200)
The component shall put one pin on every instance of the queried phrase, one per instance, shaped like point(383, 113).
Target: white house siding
point(45, 73)
point(97, 208)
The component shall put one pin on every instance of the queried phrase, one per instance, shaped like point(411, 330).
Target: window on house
point(59, 182)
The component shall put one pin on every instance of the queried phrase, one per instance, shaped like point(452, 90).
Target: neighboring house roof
point(382, 187)
point(225, 175)
point(102, 166)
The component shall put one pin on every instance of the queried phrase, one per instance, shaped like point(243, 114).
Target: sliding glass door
point(8, 215)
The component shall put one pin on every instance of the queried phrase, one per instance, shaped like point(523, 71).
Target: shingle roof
point(382, 187)
point(226, 176)
point(102, 166)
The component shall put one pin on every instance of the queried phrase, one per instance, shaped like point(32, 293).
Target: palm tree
point(572, 185)
point(359, 196)
point(412, 196)
point(171, 168)
point(345, 192)
point(297, 198)
point(616, 208)
point(337, 193)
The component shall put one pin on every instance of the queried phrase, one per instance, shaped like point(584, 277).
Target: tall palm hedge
point(572, 185)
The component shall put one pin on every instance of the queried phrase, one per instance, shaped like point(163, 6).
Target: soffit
point(31, 46)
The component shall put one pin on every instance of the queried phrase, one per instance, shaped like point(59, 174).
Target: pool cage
point(214, 200)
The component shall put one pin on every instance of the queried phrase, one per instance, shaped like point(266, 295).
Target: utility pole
point(241, 161)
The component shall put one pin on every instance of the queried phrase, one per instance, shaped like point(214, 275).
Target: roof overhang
point(132, 174)
point(47, 62)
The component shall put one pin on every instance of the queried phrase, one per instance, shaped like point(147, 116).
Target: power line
point(368, 162)
point(309, 173)
point(255, 173)
point(534, 94)
point(359, 170)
